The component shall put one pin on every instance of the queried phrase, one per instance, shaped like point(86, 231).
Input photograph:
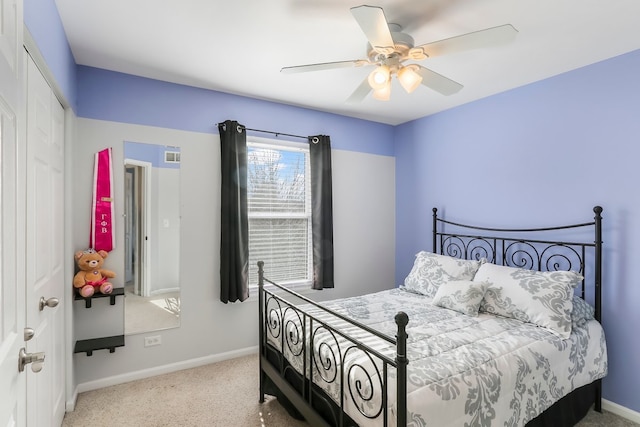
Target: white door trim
point(145, 276)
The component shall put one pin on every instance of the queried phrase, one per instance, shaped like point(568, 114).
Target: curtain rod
point(273, 133)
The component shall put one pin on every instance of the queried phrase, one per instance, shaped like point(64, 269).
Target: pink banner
point(102, 213)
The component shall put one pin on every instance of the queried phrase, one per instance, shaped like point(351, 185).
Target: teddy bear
point(91, 274)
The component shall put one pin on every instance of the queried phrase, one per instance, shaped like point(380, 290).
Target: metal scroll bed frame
point(513, 247)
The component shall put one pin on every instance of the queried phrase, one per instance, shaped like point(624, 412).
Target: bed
point(494, 326)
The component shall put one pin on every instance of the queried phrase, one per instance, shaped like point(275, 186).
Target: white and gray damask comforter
point(463, 371)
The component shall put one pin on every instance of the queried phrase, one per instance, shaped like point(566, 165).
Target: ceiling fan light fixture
point(409, 78)
point(384, 93)
point(379, 78)
point(388, 47)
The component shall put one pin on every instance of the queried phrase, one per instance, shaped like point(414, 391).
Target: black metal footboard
point(357, 375)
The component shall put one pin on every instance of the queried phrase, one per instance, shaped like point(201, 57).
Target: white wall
point(166, 225)
point(364, 240)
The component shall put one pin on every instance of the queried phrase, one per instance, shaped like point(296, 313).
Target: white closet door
point(45, 250)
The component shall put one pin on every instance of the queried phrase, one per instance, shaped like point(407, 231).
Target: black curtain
point(321, 211)
point(234, 233)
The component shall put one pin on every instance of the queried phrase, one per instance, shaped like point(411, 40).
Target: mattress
point(483, 370)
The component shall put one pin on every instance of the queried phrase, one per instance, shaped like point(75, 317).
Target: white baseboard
point(158, 370)
point(621, 411)
point(71, 402)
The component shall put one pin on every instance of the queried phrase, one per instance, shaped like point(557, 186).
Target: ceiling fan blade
point(478, 39)
point(324, 66)
point(375, 27)
point(360, 93)
point(438, 82)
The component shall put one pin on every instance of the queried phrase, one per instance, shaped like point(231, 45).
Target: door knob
point(28, 333)
point(36, 360)
point(51, 302)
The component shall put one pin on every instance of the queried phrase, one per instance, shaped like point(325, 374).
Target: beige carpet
point(223, 394)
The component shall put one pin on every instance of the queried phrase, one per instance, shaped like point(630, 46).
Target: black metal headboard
point(512, 247)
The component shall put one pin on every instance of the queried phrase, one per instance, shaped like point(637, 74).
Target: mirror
point(152, 237)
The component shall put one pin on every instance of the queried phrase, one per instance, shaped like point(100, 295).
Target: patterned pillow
point(582, 312)
point(432, 270)
point(463, 296)
point(541, 298)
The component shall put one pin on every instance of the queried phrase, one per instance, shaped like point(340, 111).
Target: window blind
point(279, 203)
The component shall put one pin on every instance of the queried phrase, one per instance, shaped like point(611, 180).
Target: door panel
point(12, 296)
point(12, 386)
point(9, 37)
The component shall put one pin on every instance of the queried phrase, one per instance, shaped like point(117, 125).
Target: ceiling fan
point(389, 48)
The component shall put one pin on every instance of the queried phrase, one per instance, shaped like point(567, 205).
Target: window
point(279, 210)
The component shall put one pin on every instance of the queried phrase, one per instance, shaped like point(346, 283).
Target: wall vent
point(172, 157)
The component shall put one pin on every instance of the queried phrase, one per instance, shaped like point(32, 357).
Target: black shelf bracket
point(112, 297)
point(106, 343)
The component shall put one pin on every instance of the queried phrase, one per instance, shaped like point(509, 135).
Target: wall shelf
point(112, 297)
point(106, 343)
point(110, 343)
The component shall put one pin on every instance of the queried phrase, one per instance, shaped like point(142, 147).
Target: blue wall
point(43, 22)
point(107, 95)
point(543, 154)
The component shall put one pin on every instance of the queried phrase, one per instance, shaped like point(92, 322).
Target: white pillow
point(463, 296)
point(432, 270)
point(541, 298)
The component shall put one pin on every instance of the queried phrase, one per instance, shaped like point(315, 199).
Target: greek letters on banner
point(102, 212)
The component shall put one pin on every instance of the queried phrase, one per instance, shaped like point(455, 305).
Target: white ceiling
point(239, 46)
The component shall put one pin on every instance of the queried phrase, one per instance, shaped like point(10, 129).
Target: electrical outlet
point(152, 340)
